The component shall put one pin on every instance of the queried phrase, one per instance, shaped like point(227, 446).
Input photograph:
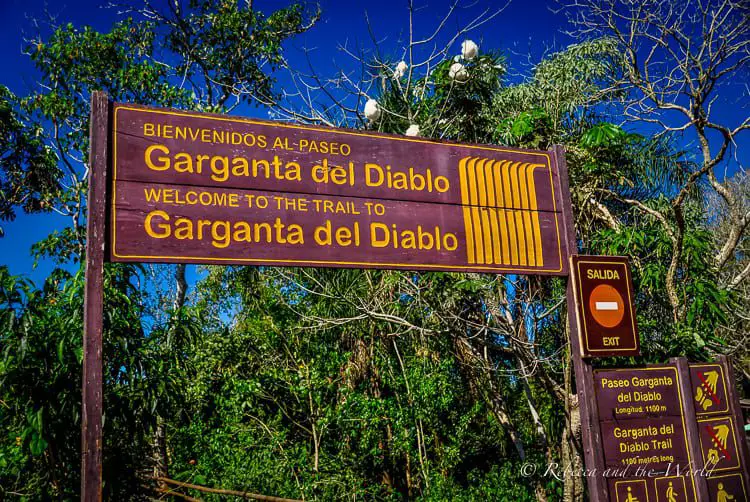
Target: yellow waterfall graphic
point(500, 212)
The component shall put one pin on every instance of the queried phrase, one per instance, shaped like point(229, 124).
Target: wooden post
point(691, 428)
point(590, 431)
point(91, 414)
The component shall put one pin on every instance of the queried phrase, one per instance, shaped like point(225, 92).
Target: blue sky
point(526, 26)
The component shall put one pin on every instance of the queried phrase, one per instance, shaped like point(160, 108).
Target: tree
point(199, 55)
point(678, 59)
point(29, 176)
point(511, 326)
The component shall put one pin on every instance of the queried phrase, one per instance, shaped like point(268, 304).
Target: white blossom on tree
point(458, 72)
point(372, 110)
point(469, 49)
point(413, 130)
point(400, 69)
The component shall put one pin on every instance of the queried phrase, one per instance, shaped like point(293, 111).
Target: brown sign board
point(709, 384)
point(604, 306)
point(645, 433)
point(671, 432)
point(627, 393)
point(202, 188)
point(180, 187)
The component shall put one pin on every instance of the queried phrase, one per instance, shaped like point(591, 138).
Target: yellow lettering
point(164, 228)
point(377, 241)
point(163, 161)
point(378, 171)
point(183, 229)
point(183, 163)
point(219, 168)
point(220, 234)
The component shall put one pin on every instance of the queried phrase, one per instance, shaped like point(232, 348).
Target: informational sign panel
point(604, 306)
point(642, 417)
point(655, 442)
point(645, 434)
point(637, 393)
point(719, 444)
point(202, 188)
point(627, 490)
point(727, 488)
point(670, 433)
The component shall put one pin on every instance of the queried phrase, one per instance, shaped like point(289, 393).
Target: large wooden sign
point(604, 306)
point(181, 187)
point(202, 188)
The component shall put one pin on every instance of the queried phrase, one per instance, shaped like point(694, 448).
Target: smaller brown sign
point(718, 444)
point(604, 306)
point(657, 443)
point(709, 386)
point(726, 488)
point(637, 393)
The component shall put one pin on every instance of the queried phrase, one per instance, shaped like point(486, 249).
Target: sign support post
point(91, 418)
point(699, 480)
point(590, 431)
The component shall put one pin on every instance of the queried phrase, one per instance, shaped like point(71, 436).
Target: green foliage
point(28, 171)
point(226, 46)
point(530, 128)
point(566, 83)
point(440, 105)
point(340, 412)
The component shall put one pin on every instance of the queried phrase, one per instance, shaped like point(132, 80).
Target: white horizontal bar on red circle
point(607, 306)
